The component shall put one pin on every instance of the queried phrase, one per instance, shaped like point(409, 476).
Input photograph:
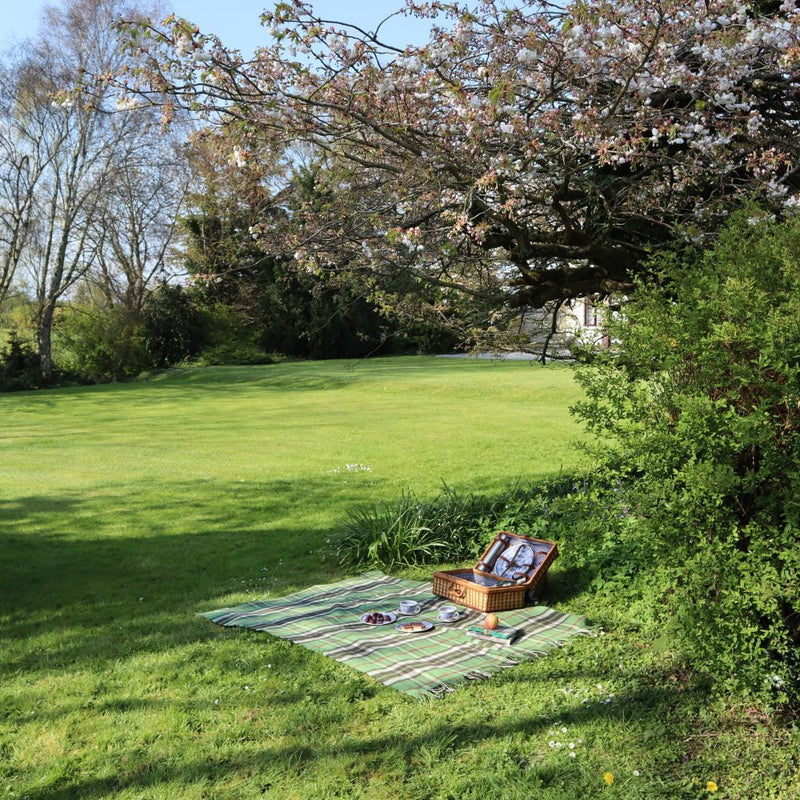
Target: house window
point(591, 316)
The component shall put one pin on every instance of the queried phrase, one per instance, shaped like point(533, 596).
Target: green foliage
point(233, 353)
point(229, 339)
point(173, 325)
point(702, 402)
point(305, 311)
point(103, 344)
point(452, 526)
point(19, 366)
point(389, 534)
point(288, 309)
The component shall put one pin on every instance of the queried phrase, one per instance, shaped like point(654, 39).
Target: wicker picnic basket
point(512, 569)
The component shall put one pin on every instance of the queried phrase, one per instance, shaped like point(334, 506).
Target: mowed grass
point(127, 509)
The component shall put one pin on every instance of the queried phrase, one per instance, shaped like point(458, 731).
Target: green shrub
point(103, 344)
point(19, 366)
point(388, 535)
point(234, 353)
point(230, 339)
point(450, 527)
point(701, 401)
point(174, 325)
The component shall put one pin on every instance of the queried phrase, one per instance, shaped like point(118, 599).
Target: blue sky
point(236, 22)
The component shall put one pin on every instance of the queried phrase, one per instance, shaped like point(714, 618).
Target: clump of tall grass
point(452, 526)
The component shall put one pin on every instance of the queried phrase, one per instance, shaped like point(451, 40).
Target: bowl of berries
point(378, 618)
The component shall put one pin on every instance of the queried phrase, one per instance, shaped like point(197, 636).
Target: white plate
point(389, 618)
point(420, 626)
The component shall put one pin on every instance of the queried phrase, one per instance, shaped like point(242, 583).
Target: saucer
point(455, 618)
point(408, 613)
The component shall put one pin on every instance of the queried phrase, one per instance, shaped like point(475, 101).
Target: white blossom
point(238, 157)
point(184, 45)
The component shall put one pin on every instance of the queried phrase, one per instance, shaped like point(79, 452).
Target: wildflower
point(608, 777)
point(636, 773)
point(711, 786)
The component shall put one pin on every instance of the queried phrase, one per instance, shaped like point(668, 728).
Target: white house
point(578, 321)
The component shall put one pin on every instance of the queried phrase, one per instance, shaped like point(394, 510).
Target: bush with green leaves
point(103, 344)
point(700, 405)
point(230, 338)
point(453, 526)
point(19, 366)
point(174, 325)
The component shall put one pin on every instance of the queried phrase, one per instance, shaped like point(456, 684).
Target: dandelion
point(636, 773)
point(608, 777)
point(711, 786)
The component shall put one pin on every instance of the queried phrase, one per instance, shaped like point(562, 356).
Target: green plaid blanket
point(326, 618)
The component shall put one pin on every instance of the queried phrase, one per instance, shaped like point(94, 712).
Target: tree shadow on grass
point(99, 576)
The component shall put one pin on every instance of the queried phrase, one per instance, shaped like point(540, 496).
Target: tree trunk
point(44, 338)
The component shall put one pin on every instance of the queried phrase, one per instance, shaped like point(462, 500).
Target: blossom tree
point(539, 150)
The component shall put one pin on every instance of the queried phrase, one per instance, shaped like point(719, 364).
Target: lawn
point(127, 509)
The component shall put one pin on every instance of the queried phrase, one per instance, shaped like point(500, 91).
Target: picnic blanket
point(326, 618)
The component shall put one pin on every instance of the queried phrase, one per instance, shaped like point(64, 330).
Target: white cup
point(448, 613)
point(409, 607)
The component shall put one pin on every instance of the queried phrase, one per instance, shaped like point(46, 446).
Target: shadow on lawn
point(236, 380)
point(100, 577)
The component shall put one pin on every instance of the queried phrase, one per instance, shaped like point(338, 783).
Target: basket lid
point(512, 557)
